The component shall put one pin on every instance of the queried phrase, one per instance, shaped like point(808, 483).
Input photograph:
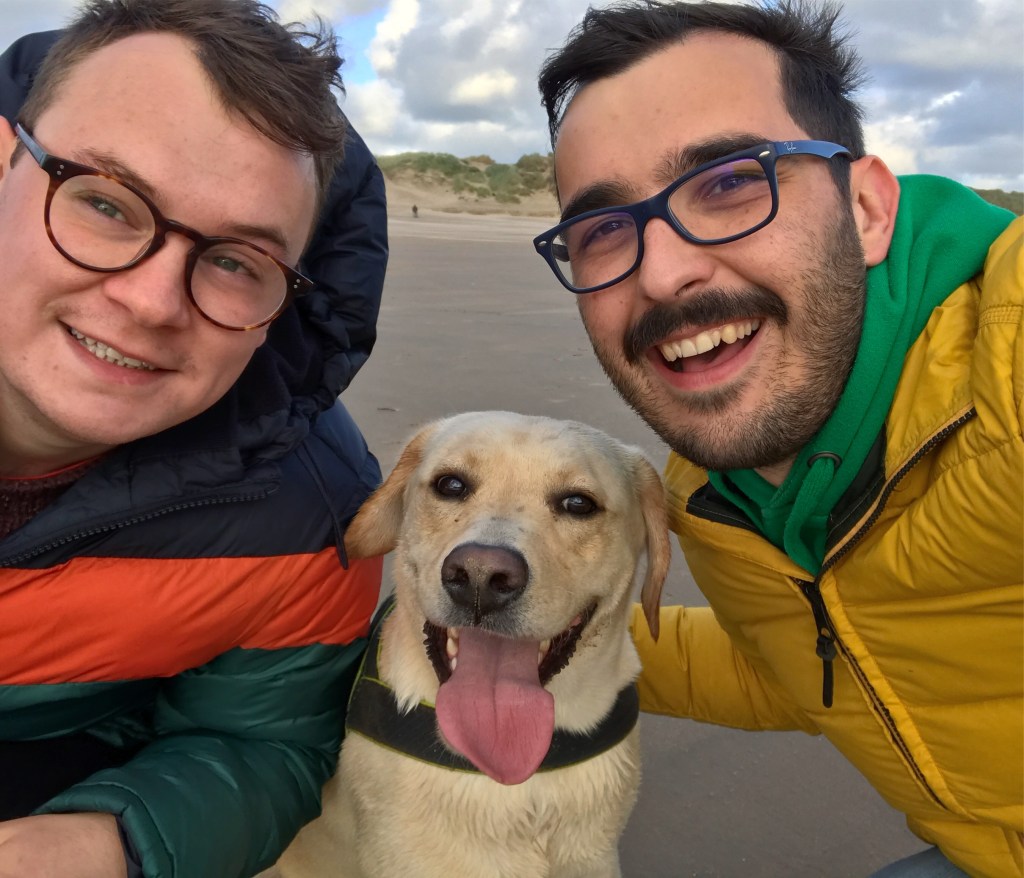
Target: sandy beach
point(473, 319)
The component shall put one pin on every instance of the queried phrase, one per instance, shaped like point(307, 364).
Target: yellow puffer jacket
point(922, 595)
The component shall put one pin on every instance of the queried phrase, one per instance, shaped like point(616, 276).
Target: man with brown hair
point(178, 622)
point(834, 357)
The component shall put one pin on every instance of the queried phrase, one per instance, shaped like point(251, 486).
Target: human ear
point(875, 193)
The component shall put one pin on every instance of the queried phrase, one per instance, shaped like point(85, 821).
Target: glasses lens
point(596, 249)
point(237, 285)
point(725, 200)
point(99, 222)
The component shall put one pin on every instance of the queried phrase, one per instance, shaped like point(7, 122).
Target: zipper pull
point(825, 646)
point(826, 651)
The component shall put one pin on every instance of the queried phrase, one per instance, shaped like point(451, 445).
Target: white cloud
point(898, 140)
point(484, 87)
point(378, 108)
point(331, 10)
point(457, 16)
point(402, 16)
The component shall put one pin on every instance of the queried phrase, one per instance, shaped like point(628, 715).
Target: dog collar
point(373, 713)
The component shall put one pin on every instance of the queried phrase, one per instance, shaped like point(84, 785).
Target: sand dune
point(437, 198)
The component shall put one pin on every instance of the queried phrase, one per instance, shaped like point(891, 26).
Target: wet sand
point(473, 319)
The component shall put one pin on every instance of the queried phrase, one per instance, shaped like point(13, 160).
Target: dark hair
point(819, 72)
point(280, 78)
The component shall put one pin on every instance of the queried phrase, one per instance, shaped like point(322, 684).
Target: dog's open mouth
point(492, 706)
point(442, 645)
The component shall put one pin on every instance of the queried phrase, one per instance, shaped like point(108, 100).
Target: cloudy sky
point(946, 93)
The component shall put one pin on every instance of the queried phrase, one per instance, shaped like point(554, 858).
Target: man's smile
point(706, 340)
point(108, 354)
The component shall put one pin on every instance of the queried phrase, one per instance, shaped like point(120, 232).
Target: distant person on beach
point(415, 212)
point(834, 357)
point(178, 622)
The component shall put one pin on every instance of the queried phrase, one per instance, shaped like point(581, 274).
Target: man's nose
point(670, 263)
point(154, 289)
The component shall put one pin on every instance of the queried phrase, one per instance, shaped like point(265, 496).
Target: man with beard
point(834, 356)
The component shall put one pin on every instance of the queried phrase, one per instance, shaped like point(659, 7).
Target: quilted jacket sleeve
point(246, 742)
point(694, 671)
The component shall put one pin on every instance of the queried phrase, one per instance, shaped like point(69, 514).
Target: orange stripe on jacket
point(107, 619)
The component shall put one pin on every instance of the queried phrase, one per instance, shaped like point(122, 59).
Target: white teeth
point(705, 341)
point(451, 648)
point(109, 354)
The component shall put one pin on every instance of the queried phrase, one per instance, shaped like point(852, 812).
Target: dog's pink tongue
point(493, 709)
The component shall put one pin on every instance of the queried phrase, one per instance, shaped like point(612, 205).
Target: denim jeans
point(928, 863)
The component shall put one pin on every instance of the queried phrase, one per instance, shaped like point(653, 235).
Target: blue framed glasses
point(717, 202)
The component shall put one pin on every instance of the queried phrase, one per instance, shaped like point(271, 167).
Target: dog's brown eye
point(578, 504)
point(451, 486)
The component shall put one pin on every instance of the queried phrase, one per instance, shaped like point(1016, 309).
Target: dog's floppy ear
point(659, 552)
point(374, 530)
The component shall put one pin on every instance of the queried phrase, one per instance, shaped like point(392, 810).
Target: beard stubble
point(827, 328)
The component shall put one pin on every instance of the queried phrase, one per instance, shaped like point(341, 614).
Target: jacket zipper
point(828, 644)
point(137, 519)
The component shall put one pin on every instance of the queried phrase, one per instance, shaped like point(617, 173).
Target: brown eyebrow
point(696, 154)
point(108, 164)
point(611, 193)
point(606, 193)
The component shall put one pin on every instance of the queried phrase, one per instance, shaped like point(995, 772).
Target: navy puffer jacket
point(179, 631)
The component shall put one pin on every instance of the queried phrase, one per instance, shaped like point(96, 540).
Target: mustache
point(700, 309)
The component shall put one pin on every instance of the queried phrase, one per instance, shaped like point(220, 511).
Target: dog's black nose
point(484, 578)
